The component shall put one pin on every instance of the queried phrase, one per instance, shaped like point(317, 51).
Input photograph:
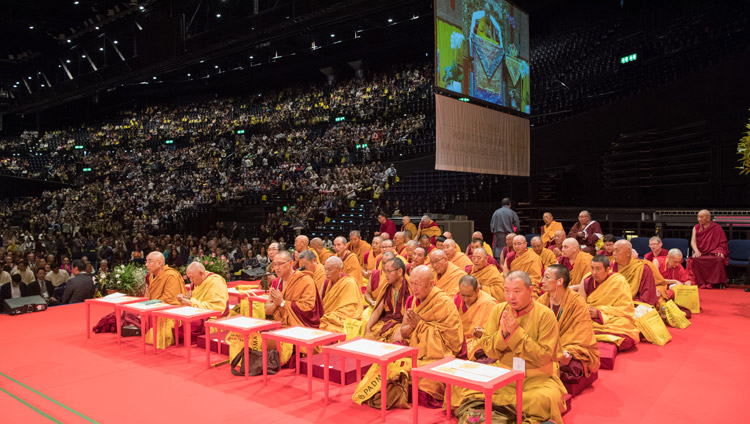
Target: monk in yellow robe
point(489, 278)
point(371, 258)
point(377, 281)
point(309, 262)
point(478, 237)
point(580, 354)
point(474, 306)
point(548, 258)
point(409, 248)
point(447, 273)
point(610, 305)
point(358, 246)
point(522, 328)
point(407, 225)
point(399, 243)
point(646, 282)
point(420, 258)
point(318, 246)
point(388, 246)
point(341, 297)
point(549, 228)
point(352, 267)
point(431, 324)
point(210, 292)
point(577, 261)
point(449, 236)
point(526, 261)
point(166, 284)
point(454, 255)
point(390, 306)
point(293, 299)
point(301, 243)
point(428, 227)
point(557, 242)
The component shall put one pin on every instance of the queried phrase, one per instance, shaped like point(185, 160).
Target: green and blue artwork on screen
point(482, 51)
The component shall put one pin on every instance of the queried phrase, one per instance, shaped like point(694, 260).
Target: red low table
point(112, 302)
point(369, 350)
point(242, 325)
point(238, 295)
point(144, 311)
point(299, 336)
point(186, 314)
point(472, 375)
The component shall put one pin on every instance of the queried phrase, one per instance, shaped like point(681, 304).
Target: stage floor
point(50, 372)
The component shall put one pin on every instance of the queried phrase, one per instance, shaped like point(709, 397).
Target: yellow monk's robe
point(360, 250)
point(614, 302)
point(576, 329)
point(474, 316)
point(411, 228)
point(352, 267)
point(548, 258)
point(579, 268)
point(461, 260)
point(548, 231)
point(369, 263)
point(492, 281)
point(644, 279)
point(341, 300)
point(430, 229)
point(303, 306)
point(448, 282)
point(394, 308)
point(319, 276)
point(211, 294)
point(531, 264)
point(324, 255)
point(438, 334)
point(536, 340)
point(165, 287)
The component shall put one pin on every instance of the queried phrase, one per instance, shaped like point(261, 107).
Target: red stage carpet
point(51, 373)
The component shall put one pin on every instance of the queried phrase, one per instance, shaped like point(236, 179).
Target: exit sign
point(629, 58)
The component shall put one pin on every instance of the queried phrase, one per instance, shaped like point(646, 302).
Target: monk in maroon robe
point(710, 252)
point(587, 232)
point(654, 243)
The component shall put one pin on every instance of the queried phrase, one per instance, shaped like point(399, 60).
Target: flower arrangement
point(216, 264)
point(743, 149)
point(129, 279)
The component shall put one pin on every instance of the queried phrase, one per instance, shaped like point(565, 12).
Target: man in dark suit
point(81, 286)
point(42, 287)
point(14, 289)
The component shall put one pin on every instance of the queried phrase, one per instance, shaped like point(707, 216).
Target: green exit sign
point(86, 169)
point(340, 118)
point(629, 58)
point(79, 147)
point(240, 131)
point(463, 99)
point(169, 142)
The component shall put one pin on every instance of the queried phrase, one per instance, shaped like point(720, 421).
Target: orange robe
point(394, 309)
point(614, 302)
point(531, 264)
point(548, 258)
point(474, 316)
point(165, 287)
point(352, 267)
point(548, 232)
point(491, 280)
point(360, 250)
point(324, 255)
point(341, 300)
point(430, 229)
point(319, 276)
point(644, 280)
point(579, 268)
point(461, 260)
point(303, 307)
point(448, 282)
point(412, 228)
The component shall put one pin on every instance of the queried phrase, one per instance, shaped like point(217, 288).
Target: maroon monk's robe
point(388, 227)
point(591, 232)
point(647, 289)
point(650, 255)
point(564, 261)
point(709, 268)
point(677, 273)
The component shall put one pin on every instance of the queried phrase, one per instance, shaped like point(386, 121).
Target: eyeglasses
point(390, 270)
point(280, 264)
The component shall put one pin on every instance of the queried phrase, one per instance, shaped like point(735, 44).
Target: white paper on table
point(119, 299)
point(233, 291)
point(302, 333)
point(244, 322)
point(144, 307)
point(370, 347)
point(471, 370)
point(114, 295)
point(187, 311)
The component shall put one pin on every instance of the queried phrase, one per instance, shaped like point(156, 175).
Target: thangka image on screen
point(482, 51)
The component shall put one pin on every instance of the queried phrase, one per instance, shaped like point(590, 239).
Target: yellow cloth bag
point(653, 328)
point(371, 384)
point(687, 297)
point(675, 317)
point(354, 328)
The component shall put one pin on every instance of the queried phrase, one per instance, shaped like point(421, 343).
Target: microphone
point(302, 268)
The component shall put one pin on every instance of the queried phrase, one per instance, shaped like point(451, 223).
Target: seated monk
point(410, 246)
point(431, 324)
point(429, 228)
point(439, 242)
point(371, 257)
point(670, 268)
point(525, 260)
point(272, 250)
point(426, 244)
point(548, 258)
point(489, 278)
point(458, 258)
point(655, 244)
point(399, 243)
point(490, 259)
point(556, 244)
point(586, 232)
point(407, 225)
point(609, 246)
point(341, 297)
point(580, 355)
point(319, 247)
point(447, 273)
point(507, 249)
point(420, 258)
point(292, 298)
point(549, 229)
point(577, 262)
point(474, 306)
point(301, 243)
point(610, 305)
point(522, 328)
point(710, 253)
point(390, 306)
point(358, 246)
point(209, 292)
point(449, 236)
point(351, 262)
point(646, 284)
point(308, 262)
point(478, 236)
point(387, 246)
point(377, 280)
point(165, 284)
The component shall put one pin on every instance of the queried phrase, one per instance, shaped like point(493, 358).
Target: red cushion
point(607, 353)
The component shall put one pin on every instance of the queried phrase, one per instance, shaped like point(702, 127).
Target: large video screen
point(482, 51)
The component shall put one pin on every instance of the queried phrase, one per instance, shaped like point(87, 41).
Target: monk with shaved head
point(489, 277)
point(548, 258)
point(318, 246)
point(577, 262)
point(556, 244)
point(646, 284)
point(455, 255)
point(524, 260)
point(358, 246)
point(710, 252)
point(352, 267)
point(166, 284)
point(549, 229)
point(448, 274)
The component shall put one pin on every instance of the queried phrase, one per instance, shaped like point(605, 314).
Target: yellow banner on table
point(653, 328)
point(371, 384)
point(687, 297)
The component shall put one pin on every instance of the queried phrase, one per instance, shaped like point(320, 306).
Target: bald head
point(334, 262)
point(622, 252)
point(519, 245)
point(155, 262)
point(477, 235)
point(422, 281)
point(450, 248)
point(398, 238)
point(448, 235)
point(439, 261)
point(301, 243)
point(536, 245)
point(317, 243)
point(196, 273)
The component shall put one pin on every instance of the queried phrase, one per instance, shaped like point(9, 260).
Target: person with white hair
point(341, 297)
point(428, 227)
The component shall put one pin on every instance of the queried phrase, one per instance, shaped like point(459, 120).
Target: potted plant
point(129, 279)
